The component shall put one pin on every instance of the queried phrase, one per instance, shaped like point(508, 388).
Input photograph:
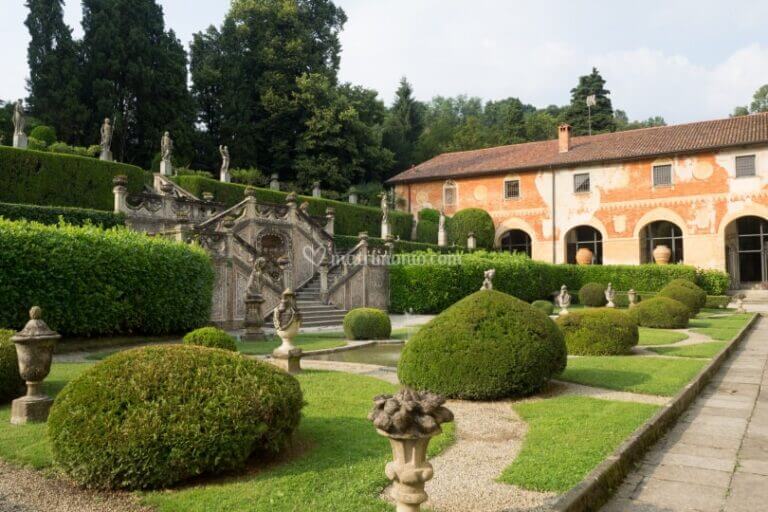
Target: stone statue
point(256, 279)
point(106, 140)
point(384, 208)
point(224, 173)
point(564, 300)
point(488, 279)
point(441, 222)
point(304, 207)
point(254, 319)
point(19, 121)
point(166, 151)
point(442, 236)
point(610, 293)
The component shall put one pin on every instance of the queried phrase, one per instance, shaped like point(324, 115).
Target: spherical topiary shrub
point(211, 337)
point(592, 295)
point(153, 416)
point(660, 312)
point(700, 294)
point(598, 332)
point(473, 220)
point(544, 305)
point(682, 294)
point(367, 324)
point(44, 133)
point(11, 384)
point(488, 345)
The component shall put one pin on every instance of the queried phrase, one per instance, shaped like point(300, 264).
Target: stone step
point(321, 323)
point(320, 315)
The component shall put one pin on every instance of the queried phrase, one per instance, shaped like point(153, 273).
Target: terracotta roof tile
point(607, 147)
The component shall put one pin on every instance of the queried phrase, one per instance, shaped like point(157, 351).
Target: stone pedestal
point(385, 230)
point(106, 156)
point(254, 320)
point(166, 168)
point(289, 361)
point(30, 408)
point(442, 238)
point(20, 140)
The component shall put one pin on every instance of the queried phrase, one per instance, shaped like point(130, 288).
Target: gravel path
point(27, 490)
point(557, 388)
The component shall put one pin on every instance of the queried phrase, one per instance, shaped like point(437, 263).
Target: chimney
point(564, 137)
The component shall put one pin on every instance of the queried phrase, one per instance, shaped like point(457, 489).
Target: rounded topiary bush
point(154, 416)
point(684, 295)
point(11, 384)
point(211, 337)
point(544, 305)
point(46, 134)
point(598, 332)
point(592, 295)
point(367, 324)
point(486, 346)
point(699, 293)
point(660, 312)
point(473, 220)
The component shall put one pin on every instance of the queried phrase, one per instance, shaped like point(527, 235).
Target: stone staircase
point(313, 312)
point(753, 296)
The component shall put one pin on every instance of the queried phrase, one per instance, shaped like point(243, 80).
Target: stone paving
point(716, 458)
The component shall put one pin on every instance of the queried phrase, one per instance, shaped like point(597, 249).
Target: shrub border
point(599, 485)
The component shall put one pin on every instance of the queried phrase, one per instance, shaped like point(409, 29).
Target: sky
point(685, 60)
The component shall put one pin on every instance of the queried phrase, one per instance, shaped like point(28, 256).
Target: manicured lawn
point(707, 350)
point(650, 336)
point(568, 436)
point(722, 328)
point(637, 374)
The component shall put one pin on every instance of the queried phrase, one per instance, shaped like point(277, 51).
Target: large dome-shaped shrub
point(699, 293)
point(683, 295)
point(473, 220)
point(544, 305)
point(367, 324)
point(11, 384)
point(211, 337)
point(486, 346)
point(154, 416)
point(598, 332)
point(592, 295)
point(660, 312)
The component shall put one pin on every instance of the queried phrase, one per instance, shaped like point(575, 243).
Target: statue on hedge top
point(564, 300)
point(384, 208)
point(224, 173)
point(19, 121)
point(488, 279)
point(166, 151)
point(610, 294)
point(106, 140)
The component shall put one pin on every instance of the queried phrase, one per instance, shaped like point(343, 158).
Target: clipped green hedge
point(431, 288)
point(367, 324)
point(151, 417)
point(717, 301)
point(474, 220)
point(91, 281)
point(344, 243)
point(661, 313)
point(351, 219)
point(52, 215)
point(11, 384)
point(592, 295)
point(544, 306)
point(43, 178)
point(211, 337)
point(488, 345)
point(598, 332)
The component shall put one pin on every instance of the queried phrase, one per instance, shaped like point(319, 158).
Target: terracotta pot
point(662, 254)
point(584, 256)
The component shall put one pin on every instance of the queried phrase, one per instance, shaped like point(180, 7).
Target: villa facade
point(701, 189)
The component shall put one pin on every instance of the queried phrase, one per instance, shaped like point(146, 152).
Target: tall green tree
point(601, 114)
point(760, 100)
point(54, 82)
point(136, 73)
point(207, 67)
point(403, 126)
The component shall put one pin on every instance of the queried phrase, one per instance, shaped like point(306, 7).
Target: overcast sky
point(685, 60)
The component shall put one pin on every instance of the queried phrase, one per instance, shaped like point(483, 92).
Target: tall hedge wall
point(52, 215)
point(91, 281)
point(351, 219)
point(433, 287)
point(54, 179)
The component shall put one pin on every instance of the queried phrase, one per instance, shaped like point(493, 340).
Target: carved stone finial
point(409, 414)
point(121, 180)
point(250, 191)
point(290, 199)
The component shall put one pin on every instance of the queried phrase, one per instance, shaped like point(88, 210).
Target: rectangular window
point(662, 175)
point(511, 189)
point(581, 183)
point(745, 166)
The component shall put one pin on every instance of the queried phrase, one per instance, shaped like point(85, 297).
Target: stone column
point(330, 217)
point(471, 241)
point(409, 420)
point(120, 190)
point(324, 280)
point(34, 348)
point(274, 182)
point(353, 198)
point(316, 192)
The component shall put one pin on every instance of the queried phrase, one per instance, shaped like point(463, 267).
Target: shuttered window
point(745, 166)
point(662, 175)
point(581, 183)
point(511, 189)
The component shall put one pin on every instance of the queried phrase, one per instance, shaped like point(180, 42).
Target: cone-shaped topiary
point(660, 312)
point(154, 416)
point(211, 337)
point(367, 324)
point(598, 332)
point(11, 383)
point(488, 345)
point(592, 295)
point(544, 305)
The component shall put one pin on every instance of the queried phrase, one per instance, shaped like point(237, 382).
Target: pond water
point(381, 354)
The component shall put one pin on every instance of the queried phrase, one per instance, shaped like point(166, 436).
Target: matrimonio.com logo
point(379, 258)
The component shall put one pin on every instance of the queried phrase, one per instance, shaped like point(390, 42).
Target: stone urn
point(662, 254)
point(34, 348)
point(287, 321)
point(584, 256)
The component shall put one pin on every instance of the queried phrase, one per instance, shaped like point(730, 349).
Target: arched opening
point(746, 251)
point(587, 237)
point(516, 240)
point(450, 193)
point(658, 233)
